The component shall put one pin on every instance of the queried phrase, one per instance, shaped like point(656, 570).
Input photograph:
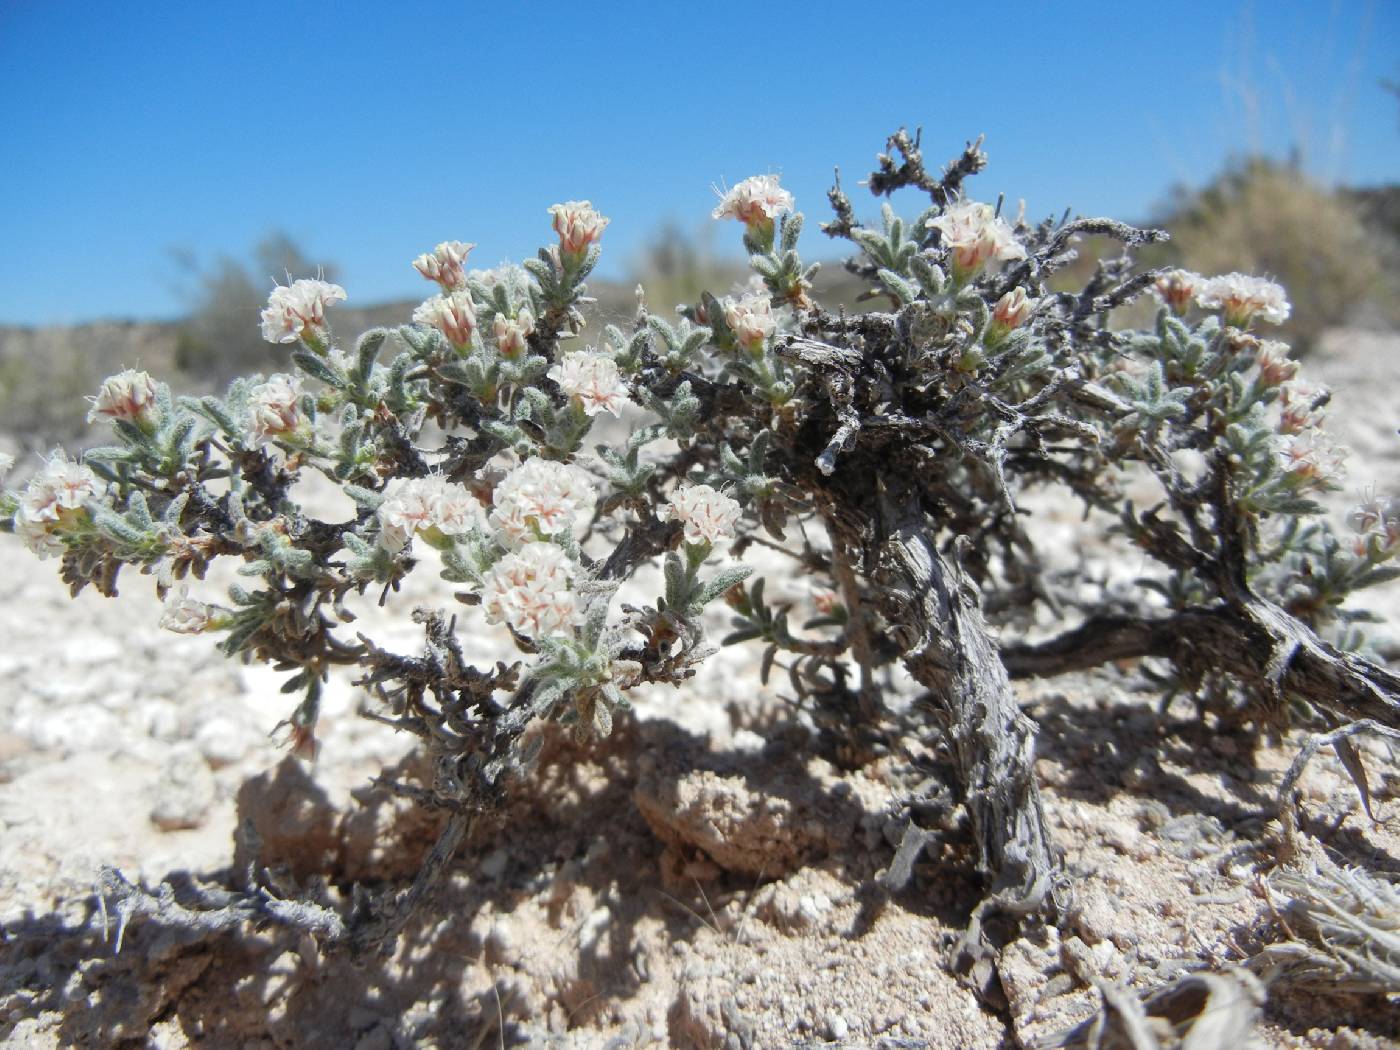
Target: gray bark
point(950, 651)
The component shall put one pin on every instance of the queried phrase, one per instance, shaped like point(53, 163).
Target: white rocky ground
point(692, 884)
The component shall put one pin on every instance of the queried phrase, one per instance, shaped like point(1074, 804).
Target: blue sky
point(371, 131)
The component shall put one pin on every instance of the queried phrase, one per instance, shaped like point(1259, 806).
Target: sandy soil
point(706, 879)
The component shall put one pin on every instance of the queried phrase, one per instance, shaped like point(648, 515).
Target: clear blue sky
point(371, 131)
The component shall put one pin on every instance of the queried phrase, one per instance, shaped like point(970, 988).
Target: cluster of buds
point(1011, 311)
point(431, 507)
point(130, 395)
point(540, 499)
point(1177, 289)
point(592, 381)
point(751, 320)
point(528, 590)
point(452, 314)
point(707, 514)
point(578, 226)
point(54, 503)
point(445, 264)
point(298, 312)
point(274, 411)
point(975, 235)
point(1274, 364)
point(513, 333)
point(1241, 297)
point(1376, 524)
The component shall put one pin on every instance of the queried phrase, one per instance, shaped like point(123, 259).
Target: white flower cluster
point(184, 615)
point(53, 499)
point(592, 378)
point(453, 314)
point(298, 311)
point(1376, 523)
point(445, 264)
point(578, 225)
point(757, 201)
point(1242, 297)
point(1313, 459)
point(129, 395)
point(430, 504)
point(274, 408)
point(541, 498)
point(751, 320)
point(976, 235)
point(529, 590)
point(707, 514)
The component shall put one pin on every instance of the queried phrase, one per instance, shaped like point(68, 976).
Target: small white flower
point(53, 500)
point(513, 333)
point(541, 498)
point(976, 235)
point(430, 504)
point(183, 615)
point(593, 379)
point(454, 315)
point(445, 264)
point(1242, 297)
point(1376, 522)
point(757, 201)
point(1274, 364)
point(298, 311)
point(751, 320)
point(129, 395)
point(707, 514)
point(577, 225)
point(1176, 288)
point(1313, 458)
point(274, 408)
point(529, 590)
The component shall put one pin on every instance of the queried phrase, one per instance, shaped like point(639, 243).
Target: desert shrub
point(889, 454)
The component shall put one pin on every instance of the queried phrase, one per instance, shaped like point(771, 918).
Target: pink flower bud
point(1012, 309)
point(445, 264)
point(1176, 289)
point(454, 315)
point(1275, 366)
point(512, 333)
point(577, 225)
